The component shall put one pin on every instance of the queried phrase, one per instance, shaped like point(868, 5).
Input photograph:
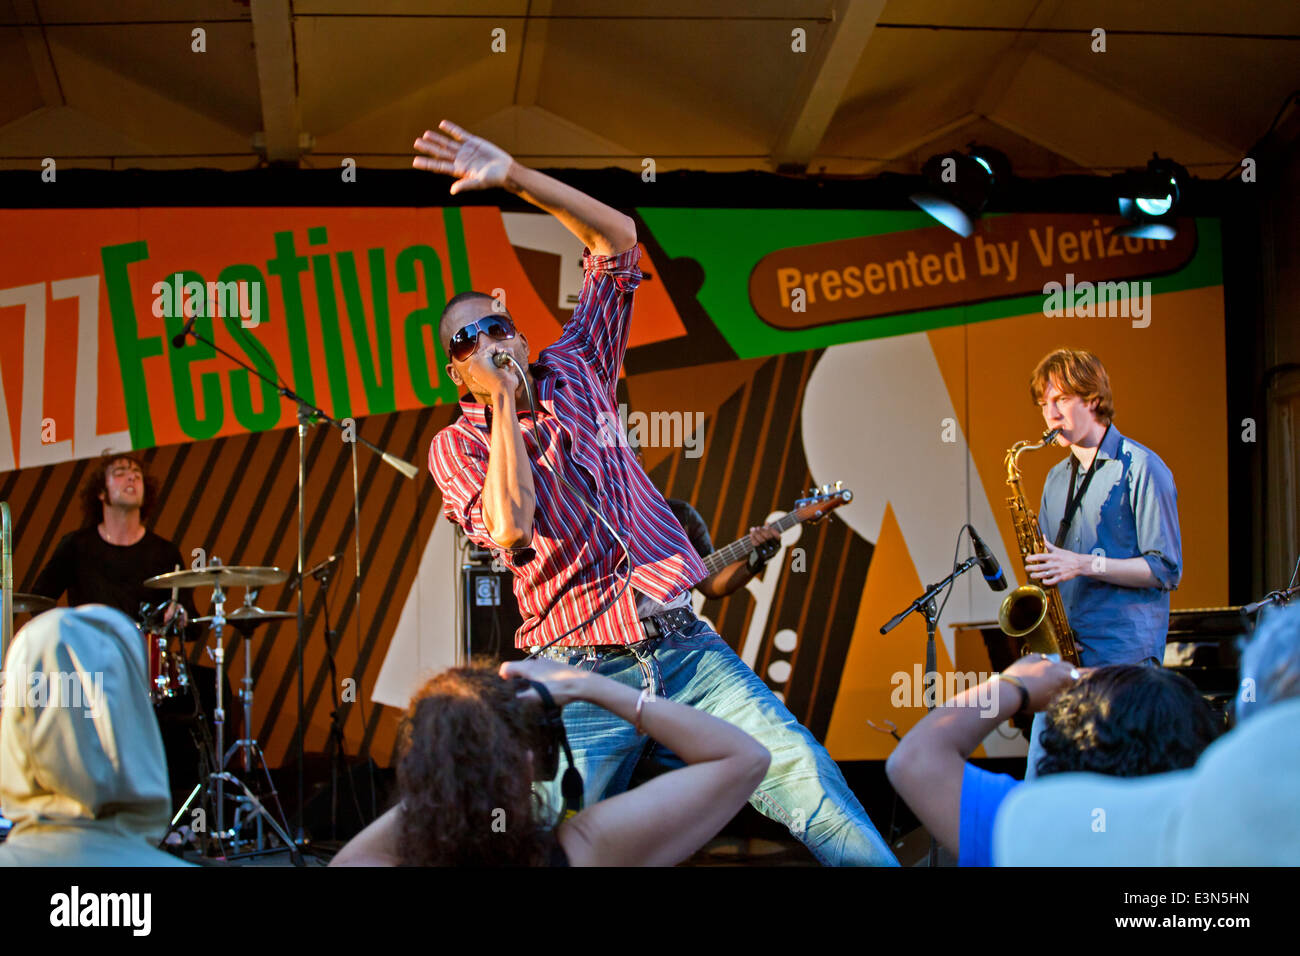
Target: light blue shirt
point(1130, 510)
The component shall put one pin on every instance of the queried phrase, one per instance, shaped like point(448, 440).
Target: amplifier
point(491, 615)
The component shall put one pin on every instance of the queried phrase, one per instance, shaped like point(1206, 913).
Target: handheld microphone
point(988, 564)
point(179, 340)
point(501, 359)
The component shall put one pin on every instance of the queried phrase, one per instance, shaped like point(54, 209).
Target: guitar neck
point(739, 550)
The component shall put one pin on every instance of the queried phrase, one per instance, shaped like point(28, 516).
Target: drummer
point(107, 562)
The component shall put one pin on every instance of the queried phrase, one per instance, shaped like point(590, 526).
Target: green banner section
point(728, 243)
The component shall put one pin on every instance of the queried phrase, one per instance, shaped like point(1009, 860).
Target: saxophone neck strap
point(1074, 499)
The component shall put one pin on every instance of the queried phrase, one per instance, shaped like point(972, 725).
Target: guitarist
point(537, 488)
point(733, 577)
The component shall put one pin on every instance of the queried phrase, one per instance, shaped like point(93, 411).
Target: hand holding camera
point(565, 683)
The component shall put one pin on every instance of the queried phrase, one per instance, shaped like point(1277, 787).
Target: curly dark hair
point(465, 776)
point(1126, 720)
point(92, 507)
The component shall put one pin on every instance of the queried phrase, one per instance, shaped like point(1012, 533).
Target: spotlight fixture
point(960, 185)
point(1149, 199)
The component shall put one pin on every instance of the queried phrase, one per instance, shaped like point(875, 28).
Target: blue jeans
point(803, 789)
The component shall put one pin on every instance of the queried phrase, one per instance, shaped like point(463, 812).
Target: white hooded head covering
point(82, 771)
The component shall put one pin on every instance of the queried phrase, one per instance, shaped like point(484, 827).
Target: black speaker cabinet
point(491, 615)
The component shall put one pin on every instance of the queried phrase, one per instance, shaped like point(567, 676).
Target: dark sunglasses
point(465, 342)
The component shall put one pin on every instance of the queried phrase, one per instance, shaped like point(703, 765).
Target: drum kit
point(168, 678)
point(163, 633)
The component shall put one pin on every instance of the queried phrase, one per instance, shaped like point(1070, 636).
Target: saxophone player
point(1109, 516)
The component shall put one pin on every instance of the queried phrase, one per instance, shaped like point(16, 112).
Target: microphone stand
point(338, 746)
point(1280, 598)
point(925, 604)
point(307, 414)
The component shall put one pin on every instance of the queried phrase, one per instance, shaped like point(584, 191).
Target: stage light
point(1149, 200)
point(960, 185)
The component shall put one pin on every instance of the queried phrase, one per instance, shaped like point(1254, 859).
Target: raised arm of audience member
point(927, 768)
point(666, 819)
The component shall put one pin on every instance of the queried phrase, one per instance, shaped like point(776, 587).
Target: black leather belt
point(656, 625)
point(673, 620)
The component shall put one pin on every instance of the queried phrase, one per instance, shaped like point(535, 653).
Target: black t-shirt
point(693, 525)
point(92, 571)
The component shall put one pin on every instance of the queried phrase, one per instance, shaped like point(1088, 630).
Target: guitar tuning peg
point(839, 485)
point(825, 489)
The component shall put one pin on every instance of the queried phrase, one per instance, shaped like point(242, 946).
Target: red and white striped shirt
point(567, 572)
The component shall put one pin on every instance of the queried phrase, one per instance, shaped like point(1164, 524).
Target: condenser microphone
point(988, 564)
point(179, 340)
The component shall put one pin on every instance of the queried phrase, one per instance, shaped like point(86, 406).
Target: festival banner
point(340, 305)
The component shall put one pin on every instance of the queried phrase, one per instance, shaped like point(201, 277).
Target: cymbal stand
point(247, 743)
point(252, 755)
point(219, 715)
point(259, 810)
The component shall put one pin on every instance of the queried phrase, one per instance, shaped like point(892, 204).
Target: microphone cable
point(627, 554)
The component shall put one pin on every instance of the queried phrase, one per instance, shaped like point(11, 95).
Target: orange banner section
point(340, 305)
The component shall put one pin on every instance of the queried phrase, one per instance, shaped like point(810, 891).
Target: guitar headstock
point(821, 502)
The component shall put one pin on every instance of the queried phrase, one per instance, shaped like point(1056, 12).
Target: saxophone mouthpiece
point(1050, 436)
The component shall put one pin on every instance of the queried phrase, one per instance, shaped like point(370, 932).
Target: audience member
point(82, 773)
point(1120, 720)
point(471, 753)
point(1235, 807)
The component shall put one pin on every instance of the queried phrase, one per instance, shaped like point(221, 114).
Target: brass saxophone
point(1034, 613)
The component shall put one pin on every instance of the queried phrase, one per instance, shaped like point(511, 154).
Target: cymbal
point(31, 603)
point(249, 616)
point(227, 576)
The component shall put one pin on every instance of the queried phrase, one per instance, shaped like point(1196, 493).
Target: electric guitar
point(809, 510)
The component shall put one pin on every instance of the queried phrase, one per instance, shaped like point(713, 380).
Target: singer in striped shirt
point(503, 475)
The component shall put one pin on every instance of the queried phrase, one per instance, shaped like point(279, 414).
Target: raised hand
point(564, 682)
point(477, 163)
point(175, 610)
point(1043, 678)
